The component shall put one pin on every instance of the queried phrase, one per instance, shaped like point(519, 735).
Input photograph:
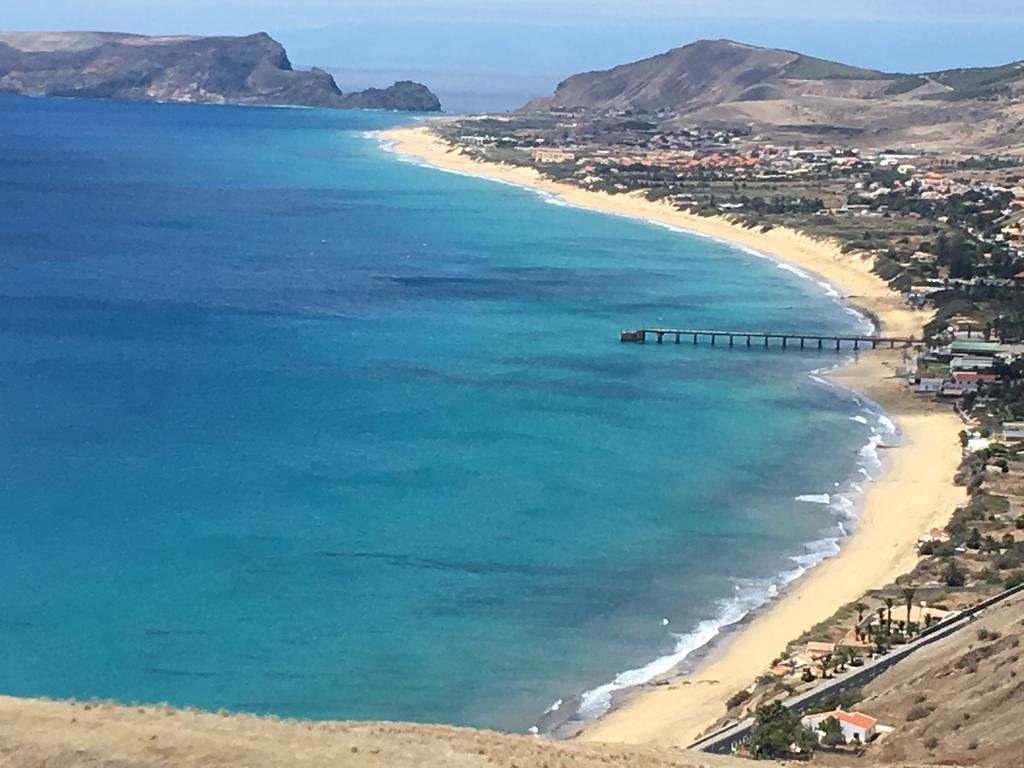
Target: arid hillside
point(35, 733)
point(959, 702)
point(788, 95)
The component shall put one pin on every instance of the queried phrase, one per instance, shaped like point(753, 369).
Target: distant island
point(202, 70)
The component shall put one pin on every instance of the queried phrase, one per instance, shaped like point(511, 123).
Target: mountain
point(721, 81)
point(210, 70)
point(713, 72)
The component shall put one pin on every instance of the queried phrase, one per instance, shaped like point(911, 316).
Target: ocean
point(290, 425)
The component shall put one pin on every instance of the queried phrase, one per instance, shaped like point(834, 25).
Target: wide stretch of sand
point(915, 494)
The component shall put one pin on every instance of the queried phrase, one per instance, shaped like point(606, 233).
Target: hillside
point(210, 70)
point(779, 92)
point(959, 702)
point(36, 733)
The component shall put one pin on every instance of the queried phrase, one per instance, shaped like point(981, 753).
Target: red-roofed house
point(981, 378)
point(856, 725)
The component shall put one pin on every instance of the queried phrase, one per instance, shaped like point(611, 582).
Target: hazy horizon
point(496, 56)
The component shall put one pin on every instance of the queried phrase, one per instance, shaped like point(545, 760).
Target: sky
point(493, 54)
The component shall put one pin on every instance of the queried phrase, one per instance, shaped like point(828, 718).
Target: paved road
point(725, 741)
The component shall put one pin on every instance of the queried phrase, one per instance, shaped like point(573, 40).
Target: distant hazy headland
point(205, 70)
point(791, 96)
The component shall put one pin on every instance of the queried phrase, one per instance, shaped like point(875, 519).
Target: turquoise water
point(289, 425)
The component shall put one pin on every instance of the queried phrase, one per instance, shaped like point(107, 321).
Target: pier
point(764, 339)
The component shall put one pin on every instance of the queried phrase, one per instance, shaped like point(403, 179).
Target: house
point(973, 377)
point(856, 725)
point(553, 156)
point(935, 535)
point(931, 385)
point(817, 650)
point(966, 363)
point(974, 348)
point(1013, 431)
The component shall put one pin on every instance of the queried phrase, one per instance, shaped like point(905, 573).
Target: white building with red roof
point(856, 725)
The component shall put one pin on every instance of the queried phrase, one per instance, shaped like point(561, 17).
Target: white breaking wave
point(870, 453)
point(815, 498)
point(859, 419)
point(597, 701)
point(887, 424)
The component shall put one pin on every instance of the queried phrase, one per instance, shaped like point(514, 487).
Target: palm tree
point(889, 602)
point(881, 618)
point(908, 598)
point(859, 608)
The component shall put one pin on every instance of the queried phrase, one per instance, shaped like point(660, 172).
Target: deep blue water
point(289, 425)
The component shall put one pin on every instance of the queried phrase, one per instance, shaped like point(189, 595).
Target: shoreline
point(918, 480)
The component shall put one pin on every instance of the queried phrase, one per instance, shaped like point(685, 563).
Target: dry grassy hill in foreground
point(35, 733)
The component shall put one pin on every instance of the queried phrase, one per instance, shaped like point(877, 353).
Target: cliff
point(205, 70)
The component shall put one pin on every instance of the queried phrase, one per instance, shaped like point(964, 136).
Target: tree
point(955, 577)
point(908, 598)
point(974, 540)
point(860, 608)
point(889, 602)
point(879, 641)
point(776, 731)
point(833, 732)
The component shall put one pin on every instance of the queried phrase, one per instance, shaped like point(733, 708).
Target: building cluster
point(961, 367)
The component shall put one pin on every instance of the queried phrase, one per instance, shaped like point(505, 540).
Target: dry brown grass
point(959, 702)
point(36, 733)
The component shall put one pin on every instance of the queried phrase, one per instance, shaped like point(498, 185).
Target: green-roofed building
point(976, 348)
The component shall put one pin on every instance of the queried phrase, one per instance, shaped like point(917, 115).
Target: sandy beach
point(915, 494)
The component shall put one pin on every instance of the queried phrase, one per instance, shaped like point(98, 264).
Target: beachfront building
point(817, 651)
point(856, 725)
point(934, 536)
point(962, 347)
point(1013, 432)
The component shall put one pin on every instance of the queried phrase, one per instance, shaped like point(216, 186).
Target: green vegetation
point(979, 82)
point(904, 84)
point(811, 68)
point(838, 700)
point(737, 698)
point(778, 733)
point(832, 731)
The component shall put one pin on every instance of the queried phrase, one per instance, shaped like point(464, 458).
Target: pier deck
point(764, 338)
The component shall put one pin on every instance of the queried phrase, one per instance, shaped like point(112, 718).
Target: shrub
point(919, 711)
point(931, 743)
point(737, 698)
point(1015, 579)
point(839, 700)
point(832, 731)
point(954, 576)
